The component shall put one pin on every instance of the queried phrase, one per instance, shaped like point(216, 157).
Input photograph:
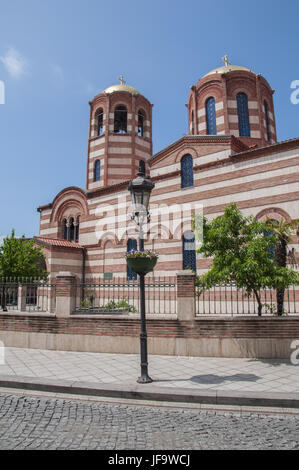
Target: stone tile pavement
point(190, 373)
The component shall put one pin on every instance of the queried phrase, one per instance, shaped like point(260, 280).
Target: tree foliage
point(242, 253)
point(283, 230)
point(20, 257)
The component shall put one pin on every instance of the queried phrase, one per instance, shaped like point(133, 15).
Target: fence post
point(185, 295)
point(65, 293)
point(22, 298)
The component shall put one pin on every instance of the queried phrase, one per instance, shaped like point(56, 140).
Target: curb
point(152, 392)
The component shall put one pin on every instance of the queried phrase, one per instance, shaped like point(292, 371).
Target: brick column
point(185, 295)
point(22, 298)
point(65, 294)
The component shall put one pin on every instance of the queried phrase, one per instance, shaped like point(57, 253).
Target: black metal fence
point(228, 300)
point(8, 294)
point(119, 295)
point(27, 295)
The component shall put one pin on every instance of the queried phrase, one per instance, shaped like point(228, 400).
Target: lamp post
point(140, 189)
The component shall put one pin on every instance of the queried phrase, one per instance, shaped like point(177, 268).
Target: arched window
point(120, 120)
point(141, 119)
point(71, 230)
point(131, 245)
point(271, 232)
point(76, 231)
point(97, 171)
point(187, 171)
point(64, 229)
point(243, 115)
point(189, 255)
point(100, 119)
point(211, 116)
point(267, 120)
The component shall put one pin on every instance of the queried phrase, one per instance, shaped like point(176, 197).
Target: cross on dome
point(121, 79)
point(226, 61)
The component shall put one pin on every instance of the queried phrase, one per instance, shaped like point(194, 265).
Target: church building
point(231, 154)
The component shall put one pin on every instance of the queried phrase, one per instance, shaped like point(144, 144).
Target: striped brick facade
point(261, 176)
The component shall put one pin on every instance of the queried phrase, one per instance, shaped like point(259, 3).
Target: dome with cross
point(122, 87)
point(228, 67)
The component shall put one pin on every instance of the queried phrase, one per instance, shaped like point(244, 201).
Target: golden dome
point(228, 68)
point(122, 87)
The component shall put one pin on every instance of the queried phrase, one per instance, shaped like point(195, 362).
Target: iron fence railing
point(119, 295)
point(228, 300)
point(9, 295)
point(27, 294)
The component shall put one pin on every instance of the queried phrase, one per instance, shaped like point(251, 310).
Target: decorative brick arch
point(245, 83)
point(160, 232)
point(186, 151)
point(273, 213)
point(213, 91)
point(71, 202)
point(110, 239)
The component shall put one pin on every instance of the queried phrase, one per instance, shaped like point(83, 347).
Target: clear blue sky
point(55, 55)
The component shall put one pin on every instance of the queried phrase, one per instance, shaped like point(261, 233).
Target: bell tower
point(233, 100)
point(120, 135)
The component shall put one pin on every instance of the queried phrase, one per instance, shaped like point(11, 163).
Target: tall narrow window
point(189, 256)
point(131, 245)
point(192, 123)
point(141, 123)
point(97, 171)
point(243, 115)
point(65, 229)
point(100, 119)
point(120, 120)
point(267, 120)
point(211, 116)
point(72, 230)
point(187, 171)
point(76, 231)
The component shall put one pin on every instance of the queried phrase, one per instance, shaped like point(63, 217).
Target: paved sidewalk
point(206, 380)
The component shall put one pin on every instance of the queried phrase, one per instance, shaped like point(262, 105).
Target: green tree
point(283, 231)
point(241, 254)
point(20, 257)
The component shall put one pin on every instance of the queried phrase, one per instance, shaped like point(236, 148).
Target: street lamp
point(140, 189)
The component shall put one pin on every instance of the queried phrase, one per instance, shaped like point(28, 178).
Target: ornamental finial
point(226, 61)
point(121, 79)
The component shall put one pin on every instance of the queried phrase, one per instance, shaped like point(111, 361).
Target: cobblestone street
point(45, 422)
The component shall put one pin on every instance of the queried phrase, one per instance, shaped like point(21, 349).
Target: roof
point(122, 87)
point(228, 68)
point(202, 139)
point(58, 242)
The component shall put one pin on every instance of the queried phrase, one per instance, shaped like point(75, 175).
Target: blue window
point(187, 171)
point(100, 121)
point(211, 117)
point(267, 121)
point(97, 171)
point(141, 120)
point(243, 115)
point(131, 245)
point(189, 255)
